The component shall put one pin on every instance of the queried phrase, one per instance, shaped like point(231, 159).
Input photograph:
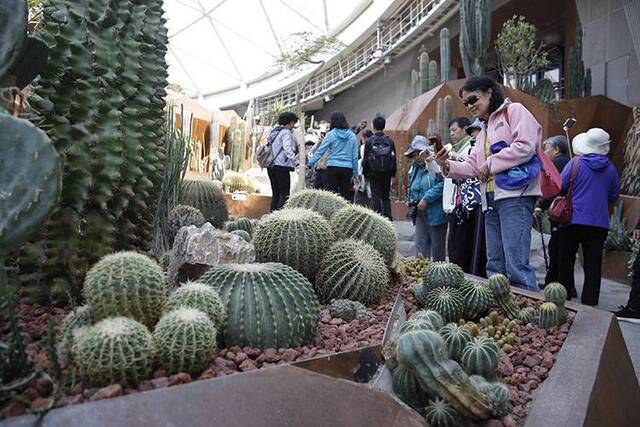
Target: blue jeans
point(508, 235)
point(430, 239)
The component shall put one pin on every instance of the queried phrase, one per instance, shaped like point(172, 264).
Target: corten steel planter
point(615, 266)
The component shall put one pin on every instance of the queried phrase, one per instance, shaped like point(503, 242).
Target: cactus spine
point(323, 202)
point(433, 74)
point(478, 299)
point(200, 297)
point(440, 273)
point(446, 301)
point(550, 315)
point(423, 61)
point(456, 337)
point(207, 198)
point(480, 356)
point(499, 285)
point(445, 54)
point(475, 35)
point(440, 413)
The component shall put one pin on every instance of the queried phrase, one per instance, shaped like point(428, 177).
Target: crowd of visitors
point(474, 200)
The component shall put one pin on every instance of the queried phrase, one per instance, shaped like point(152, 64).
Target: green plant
point(440, 413)
point(323, 202)
point(126, 284)
point(445, 54)
point(478, 299)
point(354, 270)
point(498, 392)
point(165, 259)
point(415, 84)
point(245, 224)
point(243, 234)
point(491, 326)
point(555, 293)
point(456, 337)
point(630, 182)
point(441, 273)
point(184, 338)
point(423, 67)
point(201, 297)
point(446, 301)
point(234, 181)
point(206, 197)
point(579, 83)
point(527, 315)
point(407, 388)
point(307, 48)
point(346, 309)
point(296, 237)
point(114, 350)
point(423, 319)
point(480, 356)
point(499, 285)
point(15, 368)
point(433, 74)
point(283, 313)
point(30, 173)
point(182, 216)
point(632, 259)
point(238, 149)
point(475, 35)
point(424, 354)
point(360, 223)
point(618, 239)
point(74, 324)
point(549, 315)
point(544, 90)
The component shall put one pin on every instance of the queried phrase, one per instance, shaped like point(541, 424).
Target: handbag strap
point(574, 173)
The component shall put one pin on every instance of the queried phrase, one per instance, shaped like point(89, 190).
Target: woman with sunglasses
point(504, 161)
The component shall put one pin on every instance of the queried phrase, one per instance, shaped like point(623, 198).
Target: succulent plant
point(201, 297)
point(234, 181)
point(346, 309)
point(114, 350)
point(74, 323)
point(423, 67)
point(245, 224)
point(182, 216)
point(527, 315)
point(283, 311)
point(296, 237)
point(406, 387)
point(549, 315)
point(446, 274)
point(165, 259)
point(502, 331)
point(231, 226)
point(323, 202)
point(415, 267)
point(446, 301)
point(357, 222)
point(184, 338)
point(423, 319)
point(445, 54)
point(354, 270)
point(478, 299)
point(207, 198)
point(480, 357)
point(475, 35)
point(433, 74)
point(241, 233)
point(456, 337)
point(415, 83)
point(219, 164)
point(499, 393)
point(499, 285)
point(555, 293)
point(126, 284)
point(440, 413)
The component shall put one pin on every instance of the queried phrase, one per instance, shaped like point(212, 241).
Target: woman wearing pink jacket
point(504, 161)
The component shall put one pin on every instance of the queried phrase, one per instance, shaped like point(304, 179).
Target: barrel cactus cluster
point(557, 294)
point(200, 297)
point(208, 198)
point(324, 202)
point(503, 332)
point(347, 309)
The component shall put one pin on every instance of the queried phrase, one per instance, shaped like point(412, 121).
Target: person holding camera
point(424, 200)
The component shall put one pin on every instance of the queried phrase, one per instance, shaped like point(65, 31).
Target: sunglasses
point(470, 101)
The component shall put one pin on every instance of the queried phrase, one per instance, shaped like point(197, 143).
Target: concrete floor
point(612, 294)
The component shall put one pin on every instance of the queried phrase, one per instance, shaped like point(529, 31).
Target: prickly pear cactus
point(323, 202)
point(354, 270)
point(126, 284)
point(478, 299)
point(480, 357)
point(440, 273)
point(114, 350)
point(30, 182)
point(456, 337)
point(184, 338)
point(201, 297)
point(360, 223)
point(182, 216)
point(446, 301)
point(549, 315)
point(283, 312)
point(499, 285)
point(440, 413)
point(207, 198)
point(295, 237)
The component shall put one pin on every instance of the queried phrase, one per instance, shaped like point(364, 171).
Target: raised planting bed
point(333, 337)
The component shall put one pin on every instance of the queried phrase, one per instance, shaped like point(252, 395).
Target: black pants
point(592, 241)
point(280, 179)
point(380, 188)
point(554, 254)
point(338, 180)
point(634, 296)
point(479, 257)
point(319, 179)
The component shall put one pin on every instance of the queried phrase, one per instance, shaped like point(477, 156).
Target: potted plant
point(617, 249)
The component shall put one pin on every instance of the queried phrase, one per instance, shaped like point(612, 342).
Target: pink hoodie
point(522, 133)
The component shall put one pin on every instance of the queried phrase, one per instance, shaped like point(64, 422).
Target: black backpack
point(381, 158)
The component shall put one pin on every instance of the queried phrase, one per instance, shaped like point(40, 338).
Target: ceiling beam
point(200, 18)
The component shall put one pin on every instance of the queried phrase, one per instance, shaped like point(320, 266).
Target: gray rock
point(197, 249)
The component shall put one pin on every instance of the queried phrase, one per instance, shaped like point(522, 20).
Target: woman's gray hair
point(559, 142)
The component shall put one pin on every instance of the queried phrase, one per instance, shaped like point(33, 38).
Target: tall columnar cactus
point(184, 338)
point(182, 216)
point(30, 179)
point(440, 118)
point(549, 315)
point(207, 198)
point(324, 202)
point(238, 147)
point(576, 74)
point(480, 356)
point(587, 82)
point(407, 388)
point(114, 350)
point(354, 270)
point(283, 311)
point(499, 285)
point(456, 337)
point(447, 115)
point(478, 299)
point(475, 35)
point(360, 223)
point(446, 301)
point(440, 413)
point(423, 65)
point(201, 297)
point(544, 90)
point(442, 273)
point(296, 237)
point(415, 83)
point(433, 74)
point(126, 284)
point(445, 54)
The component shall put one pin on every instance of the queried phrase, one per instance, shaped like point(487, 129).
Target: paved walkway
point(612, 294)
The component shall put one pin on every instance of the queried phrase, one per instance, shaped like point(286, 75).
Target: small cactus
point(440, 413)
point(245, 224)
point(480, 357)
point(456, 337)
point(323, 202)
point(346, 309)
point(527, 315)
point(234, 181)
point(74, 323)
point(182, 216)
point(550, 315)
point(499, 285)
point(426, 319)
point(241, 233)
point(555, 293)
point(407, 388)
point(441, 273)
point(200, 297)
point(446, 301)
point(208, 198)
point(478, 299)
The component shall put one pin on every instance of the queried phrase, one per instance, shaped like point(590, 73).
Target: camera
point(412, 212)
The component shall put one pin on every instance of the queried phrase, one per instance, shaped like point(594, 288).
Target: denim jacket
point(425, 185)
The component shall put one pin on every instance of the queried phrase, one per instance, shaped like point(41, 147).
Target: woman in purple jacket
point(595, 188)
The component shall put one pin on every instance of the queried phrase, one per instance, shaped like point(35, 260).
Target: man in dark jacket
point(379, 166)
point(632, 310)
point(557, 149)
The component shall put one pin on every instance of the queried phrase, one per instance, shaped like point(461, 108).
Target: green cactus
point(415, 84)
point(527, 315)
point(556, 293)
point(445, 55)
point(231, 226)
point(499, 285)
point(200, 297)
point(423, 319)
point(440, 413)
point(433, 74)
point(165, 259)
point(234, 181)
point(14, 18)
point(360, 223)
point(424, 354)
point(478, 299)
point(114, 350)
point(550, 315)
point(182, 216)
point(446, 301)
point(74, 324)
point(126, 284)
point(238, 148)
point(439, 117)
point(447, 112)
point(354, 270)
point(31, 174)
point(576, 73)
point(245, 224)
point(440, 273)
point(544, 90)
point(423, 67)
point(296, 237)
point(207, 198)
point(480, 357)
point(498, 392)
point(456, 337)
point(324, 202)
point(283, 311)
point(406, 387)
point(346, 309)
point(587, 82)
point(475, 35)
point(184, 338)
point(243, 234)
